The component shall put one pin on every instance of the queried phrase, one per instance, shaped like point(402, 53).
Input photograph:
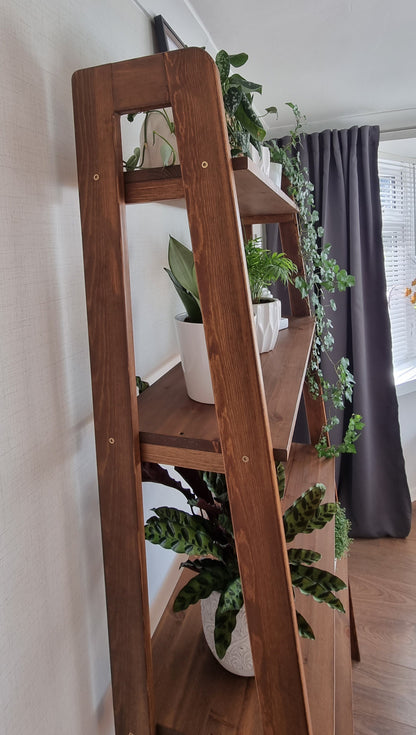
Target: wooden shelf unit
point(256, 403)
point(176, 430)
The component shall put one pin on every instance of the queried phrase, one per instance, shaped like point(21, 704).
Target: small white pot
point(267, 320)
point(238, 659)
point(194, 358)
point(275, 174)
point(263, 160)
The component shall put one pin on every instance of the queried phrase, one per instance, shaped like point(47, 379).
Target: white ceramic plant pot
point(194, 358)
point(275, 173)
point(156, 123)
point(238, 659)
point(263, 160)
point(267, 322)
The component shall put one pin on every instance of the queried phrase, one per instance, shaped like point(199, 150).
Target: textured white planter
point(194, 358)
point(267, 321)
point(275, 173)
point(263, 161)
point(238, 659)
point(152, 157)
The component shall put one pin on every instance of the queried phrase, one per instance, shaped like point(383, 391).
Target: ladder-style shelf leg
point(114, 397)
point(239, 395)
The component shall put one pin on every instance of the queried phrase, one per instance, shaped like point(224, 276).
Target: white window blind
point(397, 192)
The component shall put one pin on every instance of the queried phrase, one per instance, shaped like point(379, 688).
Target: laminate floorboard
point(383, 585)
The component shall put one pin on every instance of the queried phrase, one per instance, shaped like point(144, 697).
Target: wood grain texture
point(248, 458)
point(303, 470)
point(382, 574)
point(172, 425)
point(343, 673)
point(114, 397)
point(258, 199)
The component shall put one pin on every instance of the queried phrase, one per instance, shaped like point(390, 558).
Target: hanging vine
point(323, 277)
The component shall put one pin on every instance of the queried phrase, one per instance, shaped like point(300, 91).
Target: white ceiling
point(344, 62)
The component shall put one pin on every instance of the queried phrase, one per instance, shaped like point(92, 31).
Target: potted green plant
point(245, 129)
point(206, 535)
point(265, 268)
point(189, 327)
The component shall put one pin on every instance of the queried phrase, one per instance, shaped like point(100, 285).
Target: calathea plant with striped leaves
point(206, 535)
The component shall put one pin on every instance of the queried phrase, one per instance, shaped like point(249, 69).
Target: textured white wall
point(54, 668)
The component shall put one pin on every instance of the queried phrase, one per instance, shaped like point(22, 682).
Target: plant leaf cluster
point(265, 268)
point(323, 278)
point(243, 125)
point(167, 151)
point(206, 534)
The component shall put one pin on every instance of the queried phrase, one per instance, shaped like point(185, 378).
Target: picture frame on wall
point(166, 38)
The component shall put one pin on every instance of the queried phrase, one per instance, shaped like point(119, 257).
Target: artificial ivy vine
point(323, 277)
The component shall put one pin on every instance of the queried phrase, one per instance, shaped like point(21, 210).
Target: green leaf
point(305, 556)
point(222, 61)
point(225, 618)
point(191, 305)
point(132, 162)
point(319, 584)
point(217, 485)
point(271, 110)
point(301, 512)
point(249, 120)
point(238, 81)
point(327, 580)
point(214, 578)
point(237, 60)
point(233, 596)
point(141, 384)
point(323, 515)
point(281, 479)
point(181, 532)
point(181, 262)
point(305, 630)
point(232, 99)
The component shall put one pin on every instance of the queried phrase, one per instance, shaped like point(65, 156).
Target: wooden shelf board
point(176, 430)
point(194, 694)
point(258, 198)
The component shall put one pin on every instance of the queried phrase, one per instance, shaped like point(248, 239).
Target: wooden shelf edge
point(258, 198)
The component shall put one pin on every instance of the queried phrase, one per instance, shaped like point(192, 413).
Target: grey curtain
point(372, 484)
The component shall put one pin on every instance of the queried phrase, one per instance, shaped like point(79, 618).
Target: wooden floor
point(383, 585)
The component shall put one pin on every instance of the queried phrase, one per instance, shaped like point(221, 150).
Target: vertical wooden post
point(114, 397)
point(239, 396)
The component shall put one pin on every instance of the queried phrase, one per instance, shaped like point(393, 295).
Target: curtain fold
point(372, 484)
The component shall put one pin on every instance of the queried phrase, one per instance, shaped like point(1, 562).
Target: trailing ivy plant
point(206, 535)
point(323, 277)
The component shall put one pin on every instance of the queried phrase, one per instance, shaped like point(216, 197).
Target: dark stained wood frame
point(101, 95)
